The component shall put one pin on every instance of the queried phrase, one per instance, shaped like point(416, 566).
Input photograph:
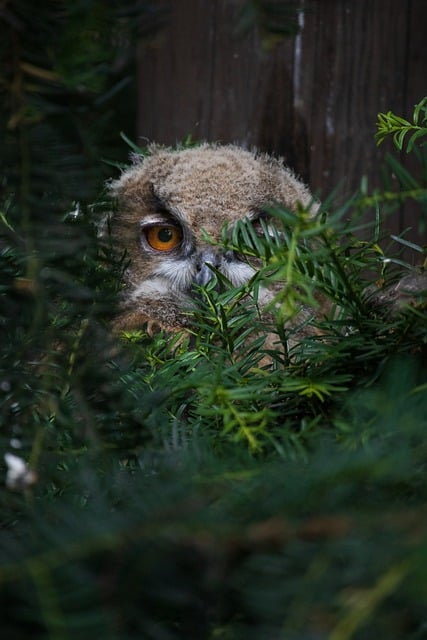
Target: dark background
point(311, 97)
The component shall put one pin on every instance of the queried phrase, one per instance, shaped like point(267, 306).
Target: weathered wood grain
point(313, 99)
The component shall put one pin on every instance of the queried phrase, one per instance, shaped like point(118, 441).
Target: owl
point(172, 207)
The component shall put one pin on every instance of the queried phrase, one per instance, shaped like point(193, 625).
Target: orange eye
point(163, 238)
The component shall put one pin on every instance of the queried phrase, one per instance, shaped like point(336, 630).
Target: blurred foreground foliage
point(186, 489)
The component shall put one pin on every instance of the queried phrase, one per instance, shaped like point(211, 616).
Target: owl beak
point(204, 263)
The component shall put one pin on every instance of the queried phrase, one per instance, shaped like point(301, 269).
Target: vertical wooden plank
point(174, 75)
point(314, 99)
point(415, 90)
point(356, 63)
point(198, 78)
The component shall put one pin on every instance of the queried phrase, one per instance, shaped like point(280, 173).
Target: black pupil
point(165, 235)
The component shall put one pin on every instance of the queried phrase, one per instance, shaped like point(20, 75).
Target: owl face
point(172, 209)
point(173, 251)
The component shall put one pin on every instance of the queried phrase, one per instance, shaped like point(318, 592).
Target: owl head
point(172, 207)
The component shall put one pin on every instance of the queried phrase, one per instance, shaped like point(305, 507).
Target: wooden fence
point(312, 99)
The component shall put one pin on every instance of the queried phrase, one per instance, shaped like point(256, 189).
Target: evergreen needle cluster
point(211, 486)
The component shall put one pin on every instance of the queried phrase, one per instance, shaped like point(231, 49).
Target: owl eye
point(259, 223)
point(163, 237)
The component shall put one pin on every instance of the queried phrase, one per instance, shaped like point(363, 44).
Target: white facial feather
point(152, 288)
point(181, 273)
point(237, 272)
point(178, 272)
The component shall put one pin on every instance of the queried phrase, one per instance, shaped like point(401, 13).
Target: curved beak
point(204, 261)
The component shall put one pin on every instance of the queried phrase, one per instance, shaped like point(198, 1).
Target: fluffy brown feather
point(197, 189)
